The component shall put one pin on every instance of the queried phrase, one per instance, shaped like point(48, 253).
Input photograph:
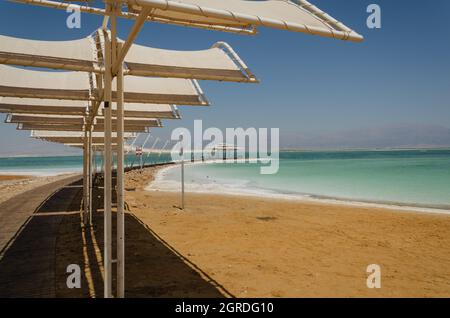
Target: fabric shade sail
point(67, 137)
point(62, 107)
point(45, 119)
point(72, 139)
point(155, 90)
point(134, 122)
point(291, 15)
point(77, 128)
point(95, 146)
point(64, 5)
point(41, 106)
point(76, 55)
point(127, 128)
point(217, 63)
point(76, 123)
point(147, 111)
point(49, 127)
point(220, 62)
point(16, 82)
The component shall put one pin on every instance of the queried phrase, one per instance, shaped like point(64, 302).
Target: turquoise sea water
point(415, 178)
point(59, 165)
point(40, 165)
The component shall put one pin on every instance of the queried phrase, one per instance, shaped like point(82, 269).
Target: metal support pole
point(182, 174)
point(91, 156)
point(107, 173)
point(120, 184)
point(85, 180)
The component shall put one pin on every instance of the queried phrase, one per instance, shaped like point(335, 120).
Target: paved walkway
point(17, 210)
point(42, 234)
point(29, 225)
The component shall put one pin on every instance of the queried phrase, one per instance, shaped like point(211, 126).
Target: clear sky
point(391, 90)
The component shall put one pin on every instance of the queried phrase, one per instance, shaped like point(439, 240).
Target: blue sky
point(391, 90)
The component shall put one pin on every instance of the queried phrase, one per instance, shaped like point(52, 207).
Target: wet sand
point(256, 247)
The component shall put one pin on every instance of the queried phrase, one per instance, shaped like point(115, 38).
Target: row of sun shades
point(56, 106)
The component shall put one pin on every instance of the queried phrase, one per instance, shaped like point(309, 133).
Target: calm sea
point(414, 177)
point(45, 166)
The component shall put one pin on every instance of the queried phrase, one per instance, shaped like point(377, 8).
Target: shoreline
point(306, 198)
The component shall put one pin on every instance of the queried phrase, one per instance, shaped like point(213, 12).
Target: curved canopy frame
point(220, 62)
point(295, 15)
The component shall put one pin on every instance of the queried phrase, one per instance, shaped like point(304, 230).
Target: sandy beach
point(11, 185)
point(256, 247)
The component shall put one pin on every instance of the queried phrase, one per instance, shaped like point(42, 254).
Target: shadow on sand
point(35, 263)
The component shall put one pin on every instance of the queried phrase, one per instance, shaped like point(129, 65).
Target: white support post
point(182, 174)
point(85, 180)
point(140, 20)
point(91, 156)
point(120, 183)
point(107, 173)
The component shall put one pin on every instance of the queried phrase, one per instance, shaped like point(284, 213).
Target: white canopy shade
point(16, 82)
point(220, 62)
point(62, 107)
point(67, 137)
point(217, 63)
point(147, 111)
point(75, 55)
point(162, 91)
point(42, 106)
point(149, 122)
point(77, 128)
point(296, 15)
point(49, 127)
point(45, 119)
point(95, 146)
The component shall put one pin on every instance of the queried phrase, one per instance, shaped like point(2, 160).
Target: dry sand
point(11, 185)
point(273, 248)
